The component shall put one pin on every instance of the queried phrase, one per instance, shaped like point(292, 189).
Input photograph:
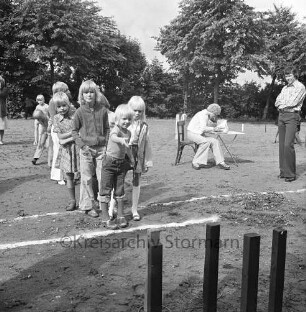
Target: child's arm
point(115, 138)
point(36, 134)
point(65, 138)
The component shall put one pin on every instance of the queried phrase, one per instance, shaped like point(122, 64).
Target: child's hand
point(125, 142)
point(85, 148)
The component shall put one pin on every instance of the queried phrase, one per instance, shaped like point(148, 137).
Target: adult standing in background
point(289, 103)
point(3, 108)
point(29, 107)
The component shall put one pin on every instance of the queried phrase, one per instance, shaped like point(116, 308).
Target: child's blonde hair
point(137, 103)
point(90, 86)
point(59, 86)
point(59, 98)
point(123, 110)
point(40, 96)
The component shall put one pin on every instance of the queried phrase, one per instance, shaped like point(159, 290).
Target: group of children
point(99, 145)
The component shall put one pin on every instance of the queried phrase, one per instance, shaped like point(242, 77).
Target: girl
point(91, 132)
point(141, 148)
point(114, 167)
point(3, 109)
point(56, 174)
point(67, 159)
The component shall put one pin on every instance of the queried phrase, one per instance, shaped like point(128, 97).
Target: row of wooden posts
point(250, 268)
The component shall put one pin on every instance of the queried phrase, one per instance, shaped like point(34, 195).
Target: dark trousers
point(287, 127)
point(113, 175)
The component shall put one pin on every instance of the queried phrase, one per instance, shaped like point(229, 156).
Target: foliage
point(211, 41)
point(161, 91)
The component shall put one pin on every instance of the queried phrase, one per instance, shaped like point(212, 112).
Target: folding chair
point(181, 142)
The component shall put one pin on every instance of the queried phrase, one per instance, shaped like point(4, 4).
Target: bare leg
point(1, 136)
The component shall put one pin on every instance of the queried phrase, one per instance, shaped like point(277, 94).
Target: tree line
point(207, 46)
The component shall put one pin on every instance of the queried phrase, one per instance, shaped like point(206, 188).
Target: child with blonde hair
point(141, 148)
point(40, 99)
point(56, 173)
point(114, 167)
point(90, 131)
point(68, 155)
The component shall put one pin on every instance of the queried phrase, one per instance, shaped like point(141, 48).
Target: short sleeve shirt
point(117, 150)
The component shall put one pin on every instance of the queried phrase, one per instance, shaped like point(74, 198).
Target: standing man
point(289, 103)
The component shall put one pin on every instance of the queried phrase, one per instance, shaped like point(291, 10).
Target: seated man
point(201, 124)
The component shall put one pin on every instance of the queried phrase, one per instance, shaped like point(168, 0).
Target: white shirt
point(200, 123)
point(291, 96)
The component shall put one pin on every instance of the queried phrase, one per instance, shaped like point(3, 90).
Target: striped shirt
point(291, 96)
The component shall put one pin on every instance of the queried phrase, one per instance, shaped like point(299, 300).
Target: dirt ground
point(46, 266)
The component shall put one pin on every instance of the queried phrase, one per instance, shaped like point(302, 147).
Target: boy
point(114, 166)
point(42, 106)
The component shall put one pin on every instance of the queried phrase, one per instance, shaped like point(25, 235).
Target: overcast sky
point(142, 19)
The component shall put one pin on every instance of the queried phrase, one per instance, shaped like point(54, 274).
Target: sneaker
point(92, 213)
point(136, 217)
point(34, 160)
point(122, 222)
point(61, 182)
point(110, 224)
point(1, 143)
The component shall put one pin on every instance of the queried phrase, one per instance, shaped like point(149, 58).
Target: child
point(56, 174)
point(114, 164)
point(68, 154)
point(141, 148)
point(42, 119)
point(40, 99)
point(90, 131)
point(3, 108)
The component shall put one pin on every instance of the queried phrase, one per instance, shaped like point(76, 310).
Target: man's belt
point(288, 110)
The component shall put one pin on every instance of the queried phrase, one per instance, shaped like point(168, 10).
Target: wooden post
point(210, 283)
point(153, 290)
point(277, 272)
point(249, 285)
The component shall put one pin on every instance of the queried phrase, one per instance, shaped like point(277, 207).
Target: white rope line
point(223, 196)
point(152, 204)
point(67, 241)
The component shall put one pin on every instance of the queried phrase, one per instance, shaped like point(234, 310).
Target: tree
point(64, 36)
point(284, 39)
point(162, 90)
point(211, 41)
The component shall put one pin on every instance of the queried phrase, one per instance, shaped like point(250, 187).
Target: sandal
point(92, 213)
point(136, 217)
point(122, 222)
point(110, 224)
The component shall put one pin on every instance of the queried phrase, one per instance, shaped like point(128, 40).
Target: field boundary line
point(66, 241)
point(152, 204)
